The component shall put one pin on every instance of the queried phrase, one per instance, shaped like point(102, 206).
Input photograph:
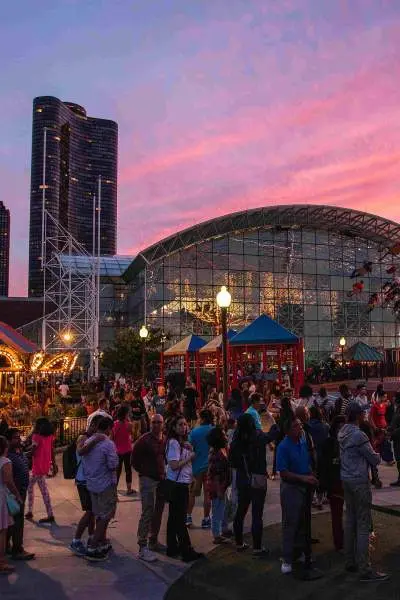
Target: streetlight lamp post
point(143, 333)
point(342, 343)
point(224, 300)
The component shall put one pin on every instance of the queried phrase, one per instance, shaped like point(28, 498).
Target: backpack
point(70, 462)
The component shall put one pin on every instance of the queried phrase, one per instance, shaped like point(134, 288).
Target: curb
point(387, 510)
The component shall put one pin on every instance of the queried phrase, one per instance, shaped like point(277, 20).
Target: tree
point(125, 355)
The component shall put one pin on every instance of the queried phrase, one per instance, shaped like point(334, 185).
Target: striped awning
point(12, 338)
point(191, 343)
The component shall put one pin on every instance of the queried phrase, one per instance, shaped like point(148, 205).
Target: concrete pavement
point(56, 574)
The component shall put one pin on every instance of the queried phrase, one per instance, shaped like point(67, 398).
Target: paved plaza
point(56, 574)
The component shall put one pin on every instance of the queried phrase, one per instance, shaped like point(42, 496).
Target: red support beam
point(187, 365)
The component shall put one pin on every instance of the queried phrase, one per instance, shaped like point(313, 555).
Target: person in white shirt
point(101, 410)
point(361, 396)
point(179, 455)
point(64, 389)
point(306, 396)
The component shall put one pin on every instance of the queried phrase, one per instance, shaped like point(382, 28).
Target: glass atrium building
point(292, 262)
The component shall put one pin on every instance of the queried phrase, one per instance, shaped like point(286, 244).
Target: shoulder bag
point(257, 481)
point(167, 486)
point(14, 507)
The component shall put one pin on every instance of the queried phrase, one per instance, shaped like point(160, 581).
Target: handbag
point(257, 481)
point(167, 486)
point(14, 507)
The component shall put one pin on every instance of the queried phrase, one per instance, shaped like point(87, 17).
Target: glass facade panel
point(300, 277)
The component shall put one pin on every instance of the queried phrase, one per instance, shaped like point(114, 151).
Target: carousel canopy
point(216, 342)
point(191, 343)
point(263, 331)
point(361, 352)
point(12, 338)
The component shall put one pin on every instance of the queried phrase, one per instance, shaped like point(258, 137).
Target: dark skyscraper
point(78, 149)
point(4, 249)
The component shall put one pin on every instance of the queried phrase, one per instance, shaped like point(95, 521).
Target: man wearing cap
point(356, 457)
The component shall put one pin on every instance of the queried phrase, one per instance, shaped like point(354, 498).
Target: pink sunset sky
point(222, 105)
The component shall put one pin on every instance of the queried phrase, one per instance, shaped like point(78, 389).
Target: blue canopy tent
point(265, 334)
point(189, 347)
point(211, 353)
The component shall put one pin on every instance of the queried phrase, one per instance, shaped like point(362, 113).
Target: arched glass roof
point(295, 216)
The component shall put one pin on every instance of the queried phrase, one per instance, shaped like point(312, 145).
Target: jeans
point(256, 497)
point(217, 516)
point(15, 533)
point(125, 459)
point(293, 504)
point(178, 540)
point(336, 501)
point(152, 510)
point(358, 523)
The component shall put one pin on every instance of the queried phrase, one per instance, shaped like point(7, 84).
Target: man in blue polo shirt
point(293, 461)
point(254, 407)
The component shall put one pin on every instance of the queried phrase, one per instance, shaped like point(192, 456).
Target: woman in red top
point(122, 436)
point(42, 459)
point(377, 417)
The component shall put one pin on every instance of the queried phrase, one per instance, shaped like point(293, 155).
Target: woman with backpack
point(43, 458)
point(122, 437)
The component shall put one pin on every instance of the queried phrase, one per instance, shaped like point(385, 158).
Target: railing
point(66, 430)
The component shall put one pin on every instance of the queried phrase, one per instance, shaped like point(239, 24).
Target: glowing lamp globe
point(342, 342)
point(224, 298)
point(144, 332)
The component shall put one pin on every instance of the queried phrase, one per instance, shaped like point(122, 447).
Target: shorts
point(84, 497)
point(104, 504)
point(198, 483)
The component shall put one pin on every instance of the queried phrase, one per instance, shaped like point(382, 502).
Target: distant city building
point(4, 249)
point(78, 149)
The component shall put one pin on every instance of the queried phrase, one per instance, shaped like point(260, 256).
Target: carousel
point(21, 363)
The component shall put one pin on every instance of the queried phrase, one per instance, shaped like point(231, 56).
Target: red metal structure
point(265, 340)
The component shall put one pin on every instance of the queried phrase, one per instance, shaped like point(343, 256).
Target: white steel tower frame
point(72, 295)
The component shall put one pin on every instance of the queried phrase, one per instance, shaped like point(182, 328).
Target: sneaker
point(95, 555)
point(373, 577)
point(157, 547)
point(206, 523)
point(242, 548)
point(106, 546)
point(220, 539)
point(78, 547)
point(146, 555)
point(23, 555)
point(302, 559)
point(47, 520)
point(395, 483)
point(227, 533)
point(189, 521)
point(286, 568)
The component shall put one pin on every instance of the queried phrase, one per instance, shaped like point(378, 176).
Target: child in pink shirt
point(42, 459)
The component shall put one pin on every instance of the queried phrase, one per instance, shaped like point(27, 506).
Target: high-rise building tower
point(79, 149)
point(4, 249)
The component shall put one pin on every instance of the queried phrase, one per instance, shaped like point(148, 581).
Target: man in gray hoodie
point(356, 456)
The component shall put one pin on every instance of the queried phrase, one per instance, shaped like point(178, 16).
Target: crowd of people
point(324, 449)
